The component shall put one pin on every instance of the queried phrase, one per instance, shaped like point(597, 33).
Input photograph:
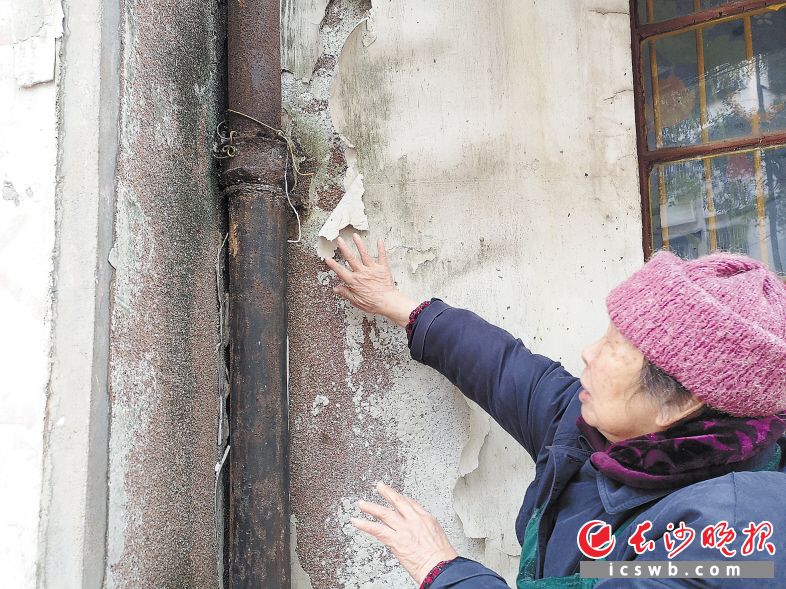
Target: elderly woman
point(668, 448)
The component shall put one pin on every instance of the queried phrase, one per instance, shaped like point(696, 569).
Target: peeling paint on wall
point(417, 257)
point(349, 212)
point(34, 60)
point(501, 177)
point(359, 434)
point(301, 43)
point(10, 193)
point(36, 30)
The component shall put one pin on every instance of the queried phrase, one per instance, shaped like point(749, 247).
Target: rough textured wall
point(163, 366)
point(29, 37)
point(492, 146)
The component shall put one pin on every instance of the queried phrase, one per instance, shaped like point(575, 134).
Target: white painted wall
point(29, 33)
point(496, 141)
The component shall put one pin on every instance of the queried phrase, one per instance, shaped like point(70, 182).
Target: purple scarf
point(707, 446)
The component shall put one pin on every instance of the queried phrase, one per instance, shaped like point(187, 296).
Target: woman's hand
point(412, 534)
point(369, 284)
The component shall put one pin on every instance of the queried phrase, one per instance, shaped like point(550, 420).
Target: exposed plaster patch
point(491, 521)
point(135, 249)
point(34, 61)
point(370, 34)
point(112, 258)
point(481, 520)
point(479, 425)
point(368, 565)
point(324, 278)
point(353, 340)
point(35, 52)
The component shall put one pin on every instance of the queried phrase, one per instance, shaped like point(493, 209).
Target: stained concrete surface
point(164, 363)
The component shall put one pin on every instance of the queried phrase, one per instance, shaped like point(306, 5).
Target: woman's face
point(612, 400)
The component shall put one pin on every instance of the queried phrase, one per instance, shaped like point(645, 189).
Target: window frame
point(649, 158)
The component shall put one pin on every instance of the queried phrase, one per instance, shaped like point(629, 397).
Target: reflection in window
point(712, 97)
point(716, 82)
point(741, 209)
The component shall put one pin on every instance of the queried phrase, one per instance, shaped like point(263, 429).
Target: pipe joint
point(258, 160)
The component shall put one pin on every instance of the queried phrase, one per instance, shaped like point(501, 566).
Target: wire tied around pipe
point(287, 139)
point(225, 149)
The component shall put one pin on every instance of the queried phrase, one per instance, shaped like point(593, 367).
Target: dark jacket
point(536, 401)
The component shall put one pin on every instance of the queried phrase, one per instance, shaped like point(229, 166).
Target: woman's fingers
point(353, 261)
point(365, 257)
point(417, 506)
point(380, 531)
point(416, 539)
point(343, 291)
point(383, 514)
point(399, 502)
point(340, 270)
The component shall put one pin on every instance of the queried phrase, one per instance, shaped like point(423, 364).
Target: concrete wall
point(29, 40)
point(109, 216)
point(492, 146)
point(72, 533)
point(163, 345)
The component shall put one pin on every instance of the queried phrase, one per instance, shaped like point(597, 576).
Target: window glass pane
point(743, 89)
point(677, 193)
point(673, 90)
point(769, 46)
point(742, 208)
point(734, 200)
point(774, 181)
point(730, 82)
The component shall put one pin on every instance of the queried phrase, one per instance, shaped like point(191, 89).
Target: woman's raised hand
point(368, 283)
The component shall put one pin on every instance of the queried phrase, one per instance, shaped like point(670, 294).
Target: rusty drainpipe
point(258, 407)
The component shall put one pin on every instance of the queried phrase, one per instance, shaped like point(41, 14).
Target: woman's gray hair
point(662, 387)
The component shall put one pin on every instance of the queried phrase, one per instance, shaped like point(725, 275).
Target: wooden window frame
point(649, 158)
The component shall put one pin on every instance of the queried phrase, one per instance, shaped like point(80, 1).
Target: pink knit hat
point(717, 324)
